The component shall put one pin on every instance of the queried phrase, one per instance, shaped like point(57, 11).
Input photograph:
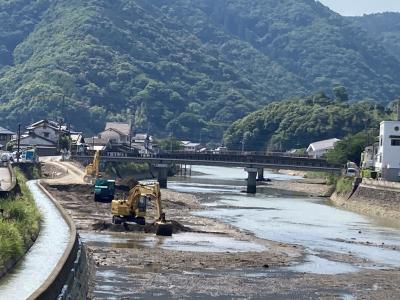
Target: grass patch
point(19, 222)
point(331, 179)
point(127, 169)
point(344, 185)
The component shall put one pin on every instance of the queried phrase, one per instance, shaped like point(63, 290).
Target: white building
point(319, 149)
point(49, 130)
point(191, 147)
point(387, 160)
point(143, 142)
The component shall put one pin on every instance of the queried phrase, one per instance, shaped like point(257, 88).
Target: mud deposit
point(132, 262)
point(207, 258)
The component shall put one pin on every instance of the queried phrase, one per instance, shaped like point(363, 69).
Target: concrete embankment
point(374, 198)
point(68, 280)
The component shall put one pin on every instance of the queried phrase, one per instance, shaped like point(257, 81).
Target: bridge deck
point(229, 160)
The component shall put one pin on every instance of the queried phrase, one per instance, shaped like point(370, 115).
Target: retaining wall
point(374, 198)
point(383, 193)
point(68, 280)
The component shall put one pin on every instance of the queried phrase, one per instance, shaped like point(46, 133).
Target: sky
point(360, 7)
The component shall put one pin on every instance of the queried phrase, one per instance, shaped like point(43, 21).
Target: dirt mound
point(132, 227)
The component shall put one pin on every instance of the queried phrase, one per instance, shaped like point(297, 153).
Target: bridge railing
point(237, 153)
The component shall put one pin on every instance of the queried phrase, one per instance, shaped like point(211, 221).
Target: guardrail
point(59, 283)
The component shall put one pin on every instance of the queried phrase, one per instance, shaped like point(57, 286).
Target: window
point(381, 140)
point(395, 142)
point(46, 134)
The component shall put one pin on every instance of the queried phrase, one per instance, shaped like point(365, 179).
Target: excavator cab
point(133, 209)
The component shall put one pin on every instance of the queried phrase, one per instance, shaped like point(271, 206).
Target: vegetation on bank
point(19, 222)
point(127, 169)
point(351, 147)
point(186, 67)
point(344, 185)
point(298, 122)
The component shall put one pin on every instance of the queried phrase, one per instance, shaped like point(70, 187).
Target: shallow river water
point(336, 241)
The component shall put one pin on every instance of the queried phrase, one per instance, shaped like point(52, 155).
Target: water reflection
point(310, 222)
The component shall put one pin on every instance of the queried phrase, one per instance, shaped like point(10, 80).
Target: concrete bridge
point(253, 163)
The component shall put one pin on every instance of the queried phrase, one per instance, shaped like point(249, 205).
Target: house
point(188, 146)
point(42, 145)
point(387, 159)
point(77, 142)
point(115, 132)
point(143, 142)
point(319, 149)
point(96, 144)
point(49, 130)
point(5, 137)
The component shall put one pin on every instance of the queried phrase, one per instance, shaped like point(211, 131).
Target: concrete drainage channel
point(56, 266)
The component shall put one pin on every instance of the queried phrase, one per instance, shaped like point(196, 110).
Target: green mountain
point(295, 123)
point(187, 67)
point(385, 28)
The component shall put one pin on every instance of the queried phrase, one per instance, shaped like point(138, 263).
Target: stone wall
point(374, 198)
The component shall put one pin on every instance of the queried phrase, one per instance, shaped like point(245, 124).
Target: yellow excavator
point(104, 189)
point(92, 170)
point(133, 209)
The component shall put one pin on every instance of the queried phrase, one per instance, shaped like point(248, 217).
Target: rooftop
point(5, 131)
point(123, 128)
point(325, 144)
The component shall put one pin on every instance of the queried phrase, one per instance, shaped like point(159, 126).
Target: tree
point(340, 93)
point(350, 148)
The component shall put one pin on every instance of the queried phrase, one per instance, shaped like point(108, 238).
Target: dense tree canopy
point(297, 123)
point(186, 67)
point(385, 28)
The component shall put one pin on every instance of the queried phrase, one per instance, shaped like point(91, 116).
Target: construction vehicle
point(104, 189)
point(133, 209)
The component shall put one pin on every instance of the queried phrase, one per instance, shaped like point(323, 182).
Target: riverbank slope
point(19, 226)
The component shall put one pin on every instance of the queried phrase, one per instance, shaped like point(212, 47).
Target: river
point(336, 241)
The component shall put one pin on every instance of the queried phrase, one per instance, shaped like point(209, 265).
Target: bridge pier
point(162, 176)
point(260, 173)
point(251, 180)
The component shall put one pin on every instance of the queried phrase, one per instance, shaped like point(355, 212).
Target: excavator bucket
point(164, 229)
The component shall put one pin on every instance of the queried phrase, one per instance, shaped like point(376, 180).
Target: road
point(71, 173)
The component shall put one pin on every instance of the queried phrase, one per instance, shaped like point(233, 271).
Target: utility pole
point(19, 142)
point(170, 142)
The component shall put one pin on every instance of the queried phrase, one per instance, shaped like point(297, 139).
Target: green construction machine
point(104, 189)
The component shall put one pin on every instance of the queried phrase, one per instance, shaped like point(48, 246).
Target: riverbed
point(335, 240)
point(273, 245)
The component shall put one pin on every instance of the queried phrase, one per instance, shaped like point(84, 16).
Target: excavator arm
point(92, 170)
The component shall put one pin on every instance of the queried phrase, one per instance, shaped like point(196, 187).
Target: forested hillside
point(385, 28)
point(187, 67)
point(296, 123)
